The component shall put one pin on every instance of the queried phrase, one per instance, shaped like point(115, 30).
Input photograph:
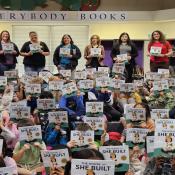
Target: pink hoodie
point(12, 130)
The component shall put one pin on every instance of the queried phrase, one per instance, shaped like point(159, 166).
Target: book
point(165, 72)
point(35, 48)
point(3, 82)
point(31, 74)
point(155, 51)
point(92, 167)
point(33, 89)
point(80, 75)
point(153, 76)
point(58, 116)
point(30, 133)
point(69, 89)
point(11, 75)
point(104, 69)
point(135, 114)
point(65, 73)
point(164, 144)
point(150, 146)
point(119, 154)
point(115, 84)
point(160, 85)
point(96, 123)
point(54, 159)
point(64, 51)
point(85, 85)
point(56, 85)
point(19, 112)
point(118, 69)
point(127, 87)
point(45, 75)
point(90, 71)
point(82, 137)
point(45, 104)
point(94, 109)
point(8, 48)
point(159, 114)
point(95, 52)
point(136, 136)
point(99, 74)
point(102, 82)
point(122, 58)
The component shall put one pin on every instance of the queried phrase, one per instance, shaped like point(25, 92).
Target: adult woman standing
point(34, 52)
point(66, 55)
point(8, 53)
point(124, 46)
point(94, 53)
point(159, 50)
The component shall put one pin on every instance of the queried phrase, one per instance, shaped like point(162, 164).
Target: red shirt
point(165, 48)
point(114, 136)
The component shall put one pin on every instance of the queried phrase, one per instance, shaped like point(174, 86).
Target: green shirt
point(31, 156)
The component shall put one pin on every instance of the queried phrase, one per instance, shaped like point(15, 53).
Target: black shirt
point(36, 59)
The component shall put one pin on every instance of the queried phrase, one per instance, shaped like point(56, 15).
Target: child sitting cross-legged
point(27, 155)
point(55, 135)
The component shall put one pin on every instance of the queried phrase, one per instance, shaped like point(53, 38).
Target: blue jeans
point(33, 69)
point(4, 67)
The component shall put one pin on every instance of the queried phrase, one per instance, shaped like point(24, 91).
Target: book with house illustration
point(94, 109)
point(136, 136)
point(69, 89)
point(159, 114)
point(155, 50)
point(82, 137)
point(56, 85)
point(19, 112)
point(96, 123)
point(8, 48)
point(64, 51)
point(85, 85)
point(54, 159)
point(45, 104)
point(58, 117)
point(95, 52)
point(28, 134)
point(102, 82)
point(164, 137)
point(35, 47)
point(92, 167)
point(119, 154)
point(80, 75)
point(33, 89)
point(135, 114)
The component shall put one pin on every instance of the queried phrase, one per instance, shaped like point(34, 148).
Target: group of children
point(87, 122)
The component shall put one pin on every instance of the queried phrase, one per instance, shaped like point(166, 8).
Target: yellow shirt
point(137, 97)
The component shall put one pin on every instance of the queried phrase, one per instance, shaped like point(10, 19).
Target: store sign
point(101, 16)
point(63, 16)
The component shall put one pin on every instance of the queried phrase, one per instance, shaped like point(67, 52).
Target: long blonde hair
point(98, 39)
